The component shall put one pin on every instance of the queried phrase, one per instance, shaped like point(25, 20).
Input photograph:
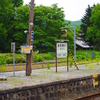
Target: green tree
point(6, 19)
point(85, 24)
point(3, 38)
point(70, 37)
point(20, 25)
point(17, 3)
point(15, 20)
point(47, 24)
point(93, 32)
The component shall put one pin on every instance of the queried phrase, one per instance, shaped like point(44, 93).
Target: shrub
point(9, 60)
point(37, 58)
point(3, 68)
point(23, 59)
point(80, 57)
point(20, 59)
point(48, 65)
point(47, 56)
point(71, 63)
point(2, 60)
point(40, 59)
point(97, 59)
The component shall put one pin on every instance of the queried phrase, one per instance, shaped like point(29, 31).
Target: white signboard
point(26, 49)
point(61, 50)
point(12, 47)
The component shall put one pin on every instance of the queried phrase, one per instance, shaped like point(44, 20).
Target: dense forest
point(14, 20)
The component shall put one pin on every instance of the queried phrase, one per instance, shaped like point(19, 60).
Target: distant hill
point(75, 23)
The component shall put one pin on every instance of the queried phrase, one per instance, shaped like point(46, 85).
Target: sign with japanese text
point(26, 49)
point(61, 50)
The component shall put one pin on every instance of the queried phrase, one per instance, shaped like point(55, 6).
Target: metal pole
point(56, 56)
point(28, 69)
point(13, 64)
point(67, 57)
point(74, 45)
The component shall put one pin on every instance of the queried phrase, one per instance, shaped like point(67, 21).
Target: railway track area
point(95, 96)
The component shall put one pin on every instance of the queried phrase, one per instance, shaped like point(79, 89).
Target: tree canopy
point(20, 25)
point(17, 3)
point(93, 31)
point(85, 24)
point(91, 26)
point(6, 20)
point(14, 20)
point(47, 24)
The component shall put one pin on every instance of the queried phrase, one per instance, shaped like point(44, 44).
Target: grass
point(23, 67)
point(48, 65)
point(3, 68)
point(8, 68)
point(82, 57)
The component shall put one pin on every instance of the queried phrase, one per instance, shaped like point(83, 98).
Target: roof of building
point(82, 44)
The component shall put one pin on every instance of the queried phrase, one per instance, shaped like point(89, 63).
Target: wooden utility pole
point(29, 56)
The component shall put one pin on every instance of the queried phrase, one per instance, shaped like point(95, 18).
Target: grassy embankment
point(82, 57)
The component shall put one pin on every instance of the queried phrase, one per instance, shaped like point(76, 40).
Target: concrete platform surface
point(48, 75)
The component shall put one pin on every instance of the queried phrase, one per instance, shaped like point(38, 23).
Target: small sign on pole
point(12, 47)
point(26, 49)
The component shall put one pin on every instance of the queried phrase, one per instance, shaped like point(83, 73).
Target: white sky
point(73, 9)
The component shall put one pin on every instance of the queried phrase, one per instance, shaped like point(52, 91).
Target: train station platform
point(48, 75)
point(47, 84)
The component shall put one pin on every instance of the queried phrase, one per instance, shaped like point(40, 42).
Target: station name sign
point(61, 50)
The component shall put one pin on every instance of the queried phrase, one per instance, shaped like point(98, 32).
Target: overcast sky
point(73, 9)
